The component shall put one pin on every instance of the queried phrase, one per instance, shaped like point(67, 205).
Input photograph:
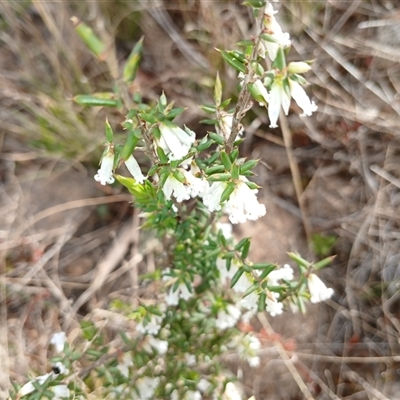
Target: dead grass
point(60, 259)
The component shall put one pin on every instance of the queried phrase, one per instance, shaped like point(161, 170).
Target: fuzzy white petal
point(318, 290)
point(58, 341)
point(175, 142)
point(134, 169)
point(176, 188)
point(274, 106)
point(301, 98)
point(105, 173)
point(243, 204)
point(212, 197)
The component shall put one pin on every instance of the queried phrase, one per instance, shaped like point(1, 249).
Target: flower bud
point(298, 67)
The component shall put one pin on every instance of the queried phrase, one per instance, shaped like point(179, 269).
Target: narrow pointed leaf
point(94, 100)
point(225, 160)
point(89, 38)
point(217, 91)
point(237, 276)
point(227, 192)
point(133, 61)
point(109, 132)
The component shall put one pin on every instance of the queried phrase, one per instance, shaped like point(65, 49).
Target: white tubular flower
point(263, 92)
point(318, 290)
point(29, 388)
point(146, 386)
point(190, 359)
point(60, 392)
point(250, 302)
point(60, 368)
point(189, 395)
point(274, 307)
point(247, 347)
point(125, 364)
point(231, 392)
point(203, 385)
point(192, 395)
point(134, 169)
point(212, 197)
point(282, 39)
point(175, 142)
point(227, 318)
point(301, 98)
point(278, 98)
point(176, 188)
point(105, 173)
point(151, 327)
point(150, 343)
point(181, 292)
point(194, 186)
point(58, 341)
point(243, 204)
point(285, 273)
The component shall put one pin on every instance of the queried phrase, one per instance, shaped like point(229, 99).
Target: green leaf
point(252, 185)
point(109, 132)
point(219, 178)
point(95, 100)
point(217, 138)
point(204, 144)
point(323, 263)
point(246, 248)
point(237, 276)
point(225, 103)
point(163, 100)
point(261, 302)
point(267, 270)
point(322, 244)
point(208, 121)
point(215, 170)
point(208, 109)
point(178, 175)
point(148, 117)
point(175, 112)
point(233, 61)
point(130, 144)
point(133, 61)
point(138, 190)
point(235, 171)
point(257, 68)
point(233, 156)
point(301, 262)
point(298, 78)
point(161, 155)
point(269, 38)
point(247, 166)
point(217, 91)
point(254, 3)
point(89, 331)
point(227, 192)
point(239, 246)
point(90, 39)
point(251, 289)
point(280, 60)
point(225, 160)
